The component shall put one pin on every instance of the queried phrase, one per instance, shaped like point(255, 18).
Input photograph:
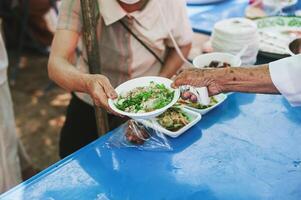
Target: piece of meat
point(193, 98)
point(217, 64)
point(214, 64)
point(186, 95)
point(226, 65)
point(136, 133)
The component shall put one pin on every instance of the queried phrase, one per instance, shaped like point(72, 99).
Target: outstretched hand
point(100, 90)
point(200, 78)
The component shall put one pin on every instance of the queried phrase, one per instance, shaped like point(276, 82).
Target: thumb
point(109, 90)
point(173, 85)
point(179, 82)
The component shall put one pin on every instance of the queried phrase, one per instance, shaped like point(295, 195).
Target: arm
point(60, 68)
point(250, 80)
point(173, 62)
point(67, 76)
point(182, 33)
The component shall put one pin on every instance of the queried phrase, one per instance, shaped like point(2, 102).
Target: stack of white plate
point(203, 1)
point(233, 35)
point(279, 3)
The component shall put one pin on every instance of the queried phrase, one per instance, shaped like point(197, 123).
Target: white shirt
point(3, 61)
point(286, 76)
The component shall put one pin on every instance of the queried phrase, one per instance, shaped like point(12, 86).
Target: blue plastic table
point(203, 17)
point(248, 148)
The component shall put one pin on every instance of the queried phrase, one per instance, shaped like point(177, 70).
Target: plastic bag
point(134, 135)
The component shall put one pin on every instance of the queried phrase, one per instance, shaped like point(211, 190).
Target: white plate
point(276, 33)
point(205, 59)
point(196, 117)
point(141, 82)
point(220, 98)
point(279, 3)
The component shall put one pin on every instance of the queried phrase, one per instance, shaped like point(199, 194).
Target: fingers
point(180, 71)
point(184, 78)
point(108, 89)
point(179, 82)
point(100, 99)
point(173, 85)
point(100, 90)
point(193, 77)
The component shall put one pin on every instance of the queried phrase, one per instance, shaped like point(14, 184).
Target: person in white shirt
point(279, 77)
point(12, 154)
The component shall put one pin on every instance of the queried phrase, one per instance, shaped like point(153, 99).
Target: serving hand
point(200, 78)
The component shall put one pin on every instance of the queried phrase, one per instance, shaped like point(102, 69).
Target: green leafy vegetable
point(145, 99)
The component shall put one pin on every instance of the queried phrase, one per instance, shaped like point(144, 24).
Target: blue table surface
point(248, 148)
point(203, 17)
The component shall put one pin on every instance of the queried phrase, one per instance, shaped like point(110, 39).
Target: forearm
point(173, 62)
point(66, 75)
point(250, 80)
point(60, 69)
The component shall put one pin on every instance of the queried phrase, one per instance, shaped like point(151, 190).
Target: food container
point(141, 82)
point(205, 59)
point(220, 98)
point(153, 123)
point(279, 4)
point(234, 34)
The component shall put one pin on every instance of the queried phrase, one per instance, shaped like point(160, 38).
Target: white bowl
point(196, 117)
point(141, 82)
point(205, 59)
point(220, 99)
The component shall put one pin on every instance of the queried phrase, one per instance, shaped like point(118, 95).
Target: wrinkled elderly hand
point(201, 78)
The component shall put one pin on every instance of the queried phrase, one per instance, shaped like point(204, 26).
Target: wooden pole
point(90, 13)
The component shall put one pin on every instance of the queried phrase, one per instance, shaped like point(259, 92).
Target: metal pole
point(90, 13)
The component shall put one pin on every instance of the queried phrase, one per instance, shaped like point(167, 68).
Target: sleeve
point(70, 16)
point(285, 74)
point(180, 24)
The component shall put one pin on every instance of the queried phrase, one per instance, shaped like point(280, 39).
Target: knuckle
point(103, 78)
point(177, 81)
point(99, 77)
point(94, 93)
point(91, 86)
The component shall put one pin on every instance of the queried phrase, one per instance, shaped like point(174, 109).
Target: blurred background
point(28, 27)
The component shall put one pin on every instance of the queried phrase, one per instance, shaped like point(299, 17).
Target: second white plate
point(220, 98)
point(194, 116)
